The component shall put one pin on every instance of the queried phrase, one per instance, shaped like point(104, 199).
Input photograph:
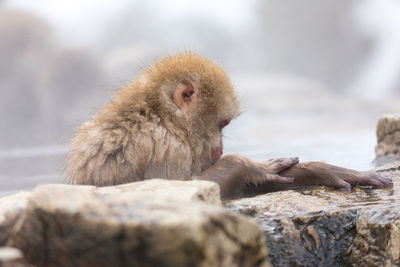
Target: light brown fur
point(142, 134)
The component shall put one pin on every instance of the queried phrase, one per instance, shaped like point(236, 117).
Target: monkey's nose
point(216, 154)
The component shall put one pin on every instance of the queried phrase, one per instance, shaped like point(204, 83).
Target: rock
point(325, 227)
point(204, 191)
point(131, 225)
point(388, 134)
point(11, 257)
point(11, 208)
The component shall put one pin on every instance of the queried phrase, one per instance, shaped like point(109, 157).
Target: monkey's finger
point(386, 182)
point(282, 160)
point(341, 185)
point(280, 164)
point(374, 182)
point(274, 178)
point(374, 179)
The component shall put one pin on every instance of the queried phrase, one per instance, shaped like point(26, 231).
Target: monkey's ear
point(185, 94)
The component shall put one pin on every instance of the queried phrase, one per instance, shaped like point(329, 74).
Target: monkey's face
point(212, 147)
point(209, 110)
point(203, 102)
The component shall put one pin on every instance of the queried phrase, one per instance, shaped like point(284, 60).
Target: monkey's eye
point(224, 123)
point(188, 94)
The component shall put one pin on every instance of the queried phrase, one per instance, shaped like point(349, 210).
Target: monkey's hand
point(236, 173)
point(320, 173)
point(267, 171)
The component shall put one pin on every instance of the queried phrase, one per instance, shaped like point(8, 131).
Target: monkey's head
point(195, 95)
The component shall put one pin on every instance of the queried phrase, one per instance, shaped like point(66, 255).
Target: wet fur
point(142, 134)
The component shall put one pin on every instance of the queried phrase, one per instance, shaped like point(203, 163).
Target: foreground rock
point(388, 135)
point(131, 225)
point(207, 192)
point(323, 227)
point(11, 257)
point(11, 207)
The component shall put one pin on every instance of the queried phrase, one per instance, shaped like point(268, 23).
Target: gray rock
point(388, 134)
point(67, 225)
point(11, 208)
point(11, 257)
point(324, 227)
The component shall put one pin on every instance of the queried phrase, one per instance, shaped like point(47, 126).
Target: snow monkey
point(167, 124)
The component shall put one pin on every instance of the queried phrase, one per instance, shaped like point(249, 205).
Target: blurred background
point(313, 76)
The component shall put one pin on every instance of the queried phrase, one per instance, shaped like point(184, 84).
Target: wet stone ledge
point(324, 227)
point(150, 223)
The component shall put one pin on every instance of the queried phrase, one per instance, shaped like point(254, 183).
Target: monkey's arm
point(321, 173)
point(237, 175)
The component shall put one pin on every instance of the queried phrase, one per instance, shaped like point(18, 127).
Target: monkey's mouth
point(212, 159)
point(216, 155)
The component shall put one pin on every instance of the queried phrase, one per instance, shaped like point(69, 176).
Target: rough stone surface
point(11, 208)
point(203, 191)
point(67, 225)
point(324, 227)
point(11, 257)
point(388, 134)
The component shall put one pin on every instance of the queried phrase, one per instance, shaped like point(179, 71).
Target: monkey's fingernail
point(289, 179)
point(345, 188)
point(387, 182)
point(294, 158)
